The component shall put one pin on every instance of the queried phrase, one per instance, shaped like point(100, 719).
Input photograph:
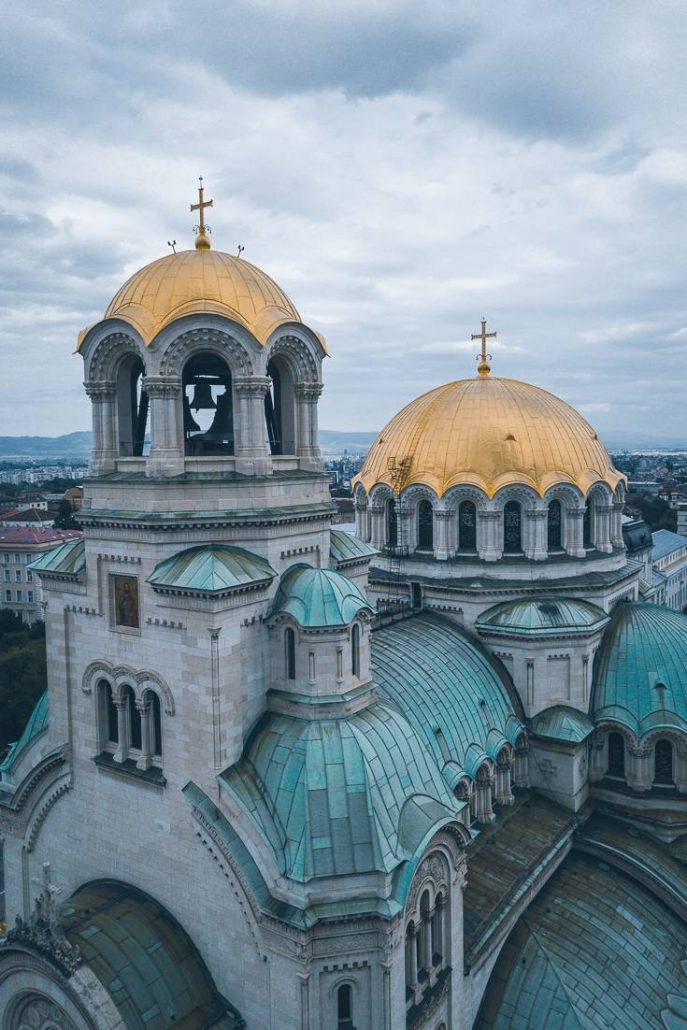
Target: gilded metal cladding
point(205, 281)
point(489, 432)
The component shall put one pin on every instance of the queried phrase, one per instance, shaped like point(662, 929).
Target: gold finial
point(484, 368)
point(201, 230)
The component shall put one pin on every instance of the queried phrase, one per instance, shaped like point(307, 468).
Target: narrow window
point(108, 715)
point(512, 528)
point(416, 595)
point(134, 719)
point(30, 596)
point(424, 954)
point(7, 576)
point(587, 525)
point(344, 1007)
point(467, 526)
point(616, 755)
point(391, 523)
point(554, 526)
point(355, 650)
point(8, 595)
point(425, 526)
point(290, 646)
point(17, 576)
point(155, 724)
point(663, 763)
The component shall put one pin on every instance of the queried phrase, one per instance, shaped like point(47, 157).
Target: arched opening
point(616, 755)
point(280, 408)
point(208, 406)
point(155, 723)
point(425, 526)
point(555, 526)
point(391, 523)
point(133, 718)
point(512, 528)
point(663, 763)
point(424, 938)
point(344, 1007)
point(587, 525)
point(132, 408)
point(109, 727)
point(355, 650)
point(290, 653)
point(467, 527)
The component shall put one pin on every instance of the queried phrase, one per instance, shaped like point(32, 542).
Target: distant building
point(29, 517)
point(669, 558)
point(682, 519)
point(19, 546)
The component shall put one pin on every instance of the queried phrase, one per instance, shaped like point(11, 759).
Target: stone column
point(250, 432)
point(483, 810)
point(574, 532)
point(166, 457)
point(597, 756)
point(536, 523)
point(504, 795)
point(426, 932)
point(617, 524)
point(602, 528)
point(404, 528)
point(307, 440)
point(377, 525)
point(104, 450)
point(489, 536)
point(362, 521)
point(521, 774)
point(145, 759)
point(122, 752)
point(441, 527)
point(639, 767)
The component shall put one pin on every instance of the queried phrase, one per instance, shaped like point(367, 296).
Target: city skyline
point(400, 173)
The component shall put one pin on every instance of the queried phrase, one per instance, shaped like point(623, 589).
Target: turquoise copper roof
point(454, 693)
point(69, 559)
point(38, 721)
point(640, 672)
point(594, 949)
point(318, 597)
point(144, 960)
point(329, 795)
point(664, 543)
point(212, 569)
point(542, 617)
point(345, 548)
point(562, 723)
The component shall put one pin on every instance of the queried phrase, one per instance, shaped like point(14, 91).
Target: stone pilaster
point(521, 772)
point(166, 457)
point(536, 527)
point(377, 525)
point(597, 756)
point(250, 447)
point(602, 528)
point(617, 524)
point(639, 767)
point(574, 532)
point(504, 794)
point(307, 441)
point(489, 535)
point(104, 450)
point(362, 520)
point(442, 519)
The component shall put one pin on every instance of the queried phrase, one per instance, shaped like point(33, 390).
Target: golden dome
point(490, 433)
point(206, 281)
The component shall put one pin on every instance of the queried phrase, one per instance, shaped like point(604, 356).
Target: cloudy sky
point(400, 168)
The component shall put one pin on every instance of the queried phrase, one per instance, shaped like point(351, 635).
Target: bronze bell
point(190, 424)
point(202, 396)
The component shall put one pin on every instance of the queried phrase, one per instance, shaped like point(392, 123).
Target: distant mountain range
point(77, 445)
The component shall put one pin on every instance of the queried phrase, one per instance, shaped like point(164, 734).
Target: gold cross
point(202, 241)
point(484, 368)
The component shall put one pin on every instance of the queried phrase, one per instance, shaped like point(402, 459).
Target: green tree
point(23, 674)
point(65, 518)
point(656, 512)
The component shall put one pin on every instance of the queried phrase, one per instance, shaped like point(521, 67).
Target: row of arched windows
point(130, 728)
point(425, 946)
point(467, 527)
point(663, 760)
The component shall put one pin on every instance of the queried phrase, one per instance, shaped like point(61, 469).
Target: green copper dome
point(318, 597)
point(542, 617)
point(640, 674)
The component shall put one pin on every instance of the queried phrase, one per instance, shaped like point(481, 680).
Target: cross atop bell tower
point(483, 368)
point(201, 230)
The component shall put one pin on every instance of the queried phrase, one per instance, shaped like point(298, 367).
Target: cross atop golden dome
point(484, 368)
point(202, 230)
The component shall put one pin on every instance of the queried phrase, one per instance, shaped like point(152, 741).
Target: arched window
point(391, 523)
point(344, 1007)
point(355, 650)
point(280, 408)
point(554, 523)
point(663, 763)
point(467, 526)
point(155, 724)
point(587, 525)
point(512, 528)
point(134, 718)
point(616, 755)
point(132, 408)
point(425, 944)
point(108, 714)
point(438, 931)
point(208, 405)
point(290, 649)
point(425, 526)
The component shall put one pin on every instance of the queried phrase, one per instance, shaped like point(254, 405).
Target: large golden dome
point(490, 433)
point(206, 281)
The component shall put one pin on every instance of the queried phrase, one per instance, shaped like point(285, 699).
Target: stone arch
point(152, 681)
point(102, 364)
point(297, 354)
point(410, 502)
point(214, 341)
point(121, 675)
point(525, 496)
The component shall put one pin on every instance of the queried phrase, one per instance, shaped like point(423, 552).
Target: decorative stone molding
point(42, 933)
point(36, 1011)
point(197, 340)
point(121, 675)
point(298, 356)
point(108, 354)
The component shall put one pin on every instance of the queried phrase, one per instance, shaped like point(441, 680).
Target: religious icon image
point(125, 594)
